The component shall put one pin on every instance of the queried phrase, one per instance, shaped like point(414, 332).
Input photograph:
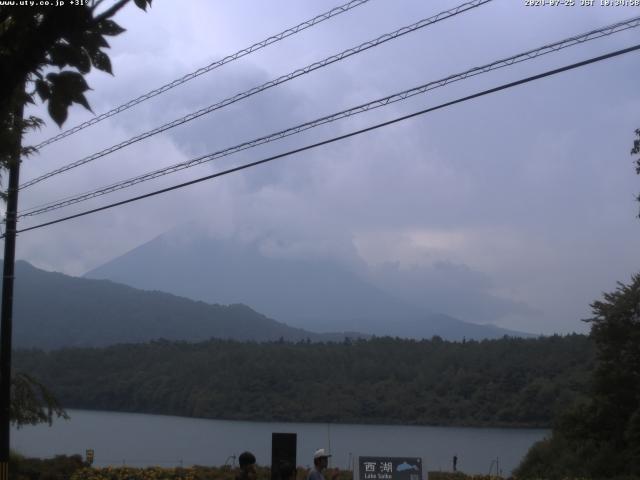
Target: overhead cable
point(272, 83)
point(396, 97)
point(206, 69)
point(341, 137)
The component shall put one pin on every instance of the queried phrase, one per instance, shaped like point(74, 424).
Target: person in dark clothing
point(247, 462)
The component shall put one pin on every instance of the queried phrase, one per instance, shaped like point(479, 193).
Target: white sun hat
point(321, 453)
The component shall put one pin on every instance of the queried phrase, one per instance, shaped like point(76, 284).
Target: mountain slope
point(53, 310)
point(312, 293)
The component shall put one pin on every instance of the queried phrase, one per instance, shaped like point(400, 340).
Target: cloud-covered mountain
point(52, 310)
point(314, 292)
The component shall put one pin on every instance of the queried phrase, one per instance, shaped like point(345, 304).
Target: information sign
point(390, 468)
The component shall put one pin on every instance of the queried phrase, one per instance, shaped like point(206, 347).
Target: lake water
point(140, 440)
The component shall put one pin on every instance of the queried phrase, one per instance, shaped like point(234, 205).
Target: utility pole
point(6, 315)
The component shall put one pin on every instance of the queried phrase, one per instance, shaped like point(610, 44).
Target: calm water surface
point(140, 440)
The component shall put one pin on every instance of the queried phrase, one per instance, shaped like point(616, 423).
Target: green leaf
point(101, 61)
point(62, 55)
point(82, 100)
point(32, 122)
point(142, 4)
point(66, 88)
point(83, 61)
point(102, 42)
point(93, 41)
point(42, 87)
point(72, 81)
point(57, 110)
point(28, 151)
point(110, 28)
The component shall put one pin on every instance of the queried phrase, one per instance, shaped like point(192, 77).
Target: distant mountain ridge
point(318, 294)
point(53, 310)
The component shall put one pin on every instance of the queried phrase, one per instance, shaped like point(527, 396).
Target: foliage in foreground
point(190, 473)
point(459, 476)
point(599, 437)
point(32, 402)
point(57, 468)
point(73, 468)
point(46, 51)
point(222, 473)
point(49, 51)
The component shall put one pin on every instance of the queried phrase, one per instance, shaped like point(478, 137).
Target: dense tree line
point(506, 382)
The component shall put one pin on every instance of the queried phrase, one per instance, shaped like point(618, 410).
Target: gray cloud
point(521, 203)
point(449, 287)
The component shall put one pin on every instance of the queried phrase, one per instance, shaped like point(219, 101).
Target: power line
point(272, 83)
point(521, 57)
point(343, 137)
point(212, 66)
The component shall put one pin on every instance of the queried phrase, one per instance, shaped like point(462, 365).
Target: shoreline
point(380, 423)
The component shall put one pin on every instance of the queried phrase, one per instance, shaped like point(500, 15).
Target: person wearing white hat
point(320, 462)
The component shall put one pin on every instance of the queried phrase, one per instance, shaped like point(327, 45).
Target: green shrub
point(58, 468)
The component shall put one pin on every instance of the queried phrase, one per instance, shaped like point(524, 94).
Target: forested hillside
point(53, 310)
point(315, 293)
point(507, 382)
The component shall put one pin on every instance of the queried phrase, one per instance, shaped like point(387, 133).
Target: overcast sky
point(516, 208)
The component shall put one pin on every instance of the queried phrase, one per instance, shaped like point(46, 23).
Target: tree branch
point(111, 11)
